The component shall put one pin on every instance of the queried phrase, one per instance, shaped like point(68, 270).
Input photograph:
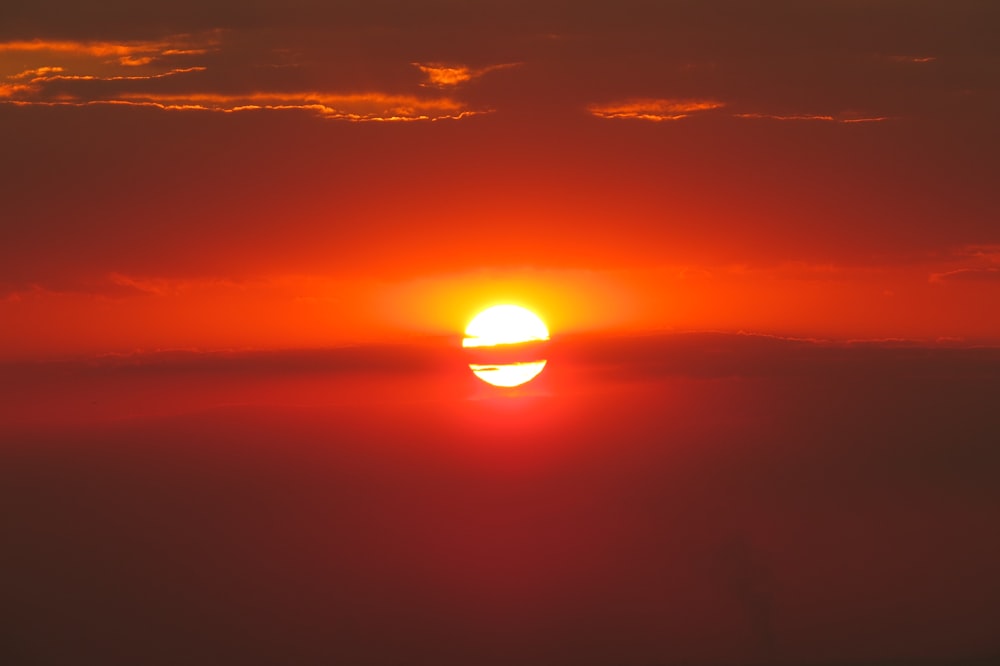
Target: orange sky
point(190, 177)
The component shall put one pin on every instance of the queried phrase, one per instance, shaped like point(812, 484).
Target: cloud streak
point(807, 117)
point(967, 275)
point(125, 53)
point(654, 110)
point(970, 264)
point(667, 109)
point(37, 85)
point(361, 107)
point(441, 75)
point(87, 73)
point(911, 59)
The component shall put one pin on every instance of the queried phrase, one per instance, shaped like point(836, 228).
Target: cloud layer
point(170, 74)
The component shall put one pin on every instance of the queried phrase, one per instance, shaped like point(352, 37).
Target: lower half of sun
point(505, 331)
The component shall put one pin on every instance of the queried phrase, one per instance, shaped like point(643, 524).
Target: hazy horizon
point(694, 499)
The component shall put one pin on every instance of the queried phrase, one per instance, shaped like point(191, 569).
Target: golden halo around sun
point(505, 325)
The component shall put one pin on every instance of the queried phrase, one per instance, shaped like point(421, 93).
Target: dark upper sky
point(812, 156)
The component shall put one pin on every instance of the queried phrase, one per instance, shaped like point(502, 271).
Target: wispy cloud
point(360, 107)
point(37, 73)
point(666, 109)
point(991, 274)
point(125, 53)
point(988, 254)
point(655, 110)
point(970, 263)
point(845, 119)
point(161, 286)
point(34, 85)
point(911, 59)
point(75, 73)
point(441, 75)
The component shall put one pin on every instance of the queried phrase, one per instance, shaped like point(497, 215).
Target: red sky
point(303, 174)
point(234, 238)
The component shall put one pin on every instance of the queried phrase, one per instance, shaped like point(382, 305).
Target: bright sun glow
point(504, 324)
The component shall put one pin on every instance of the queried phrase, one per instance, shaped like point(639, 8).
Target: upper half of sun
point(502, 325)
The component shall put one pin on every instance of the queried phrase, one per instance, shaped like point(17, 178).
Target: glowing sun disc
point(502, 325)
point(505, 325)
point(508, 375)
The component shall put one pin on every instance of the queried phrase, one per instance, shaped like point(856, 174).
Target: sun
point(507, 375)
point(504, 325)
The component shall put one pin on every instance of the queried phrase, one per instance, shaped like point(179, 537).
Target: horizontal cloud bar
point(655, 110)
point(814, 117)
